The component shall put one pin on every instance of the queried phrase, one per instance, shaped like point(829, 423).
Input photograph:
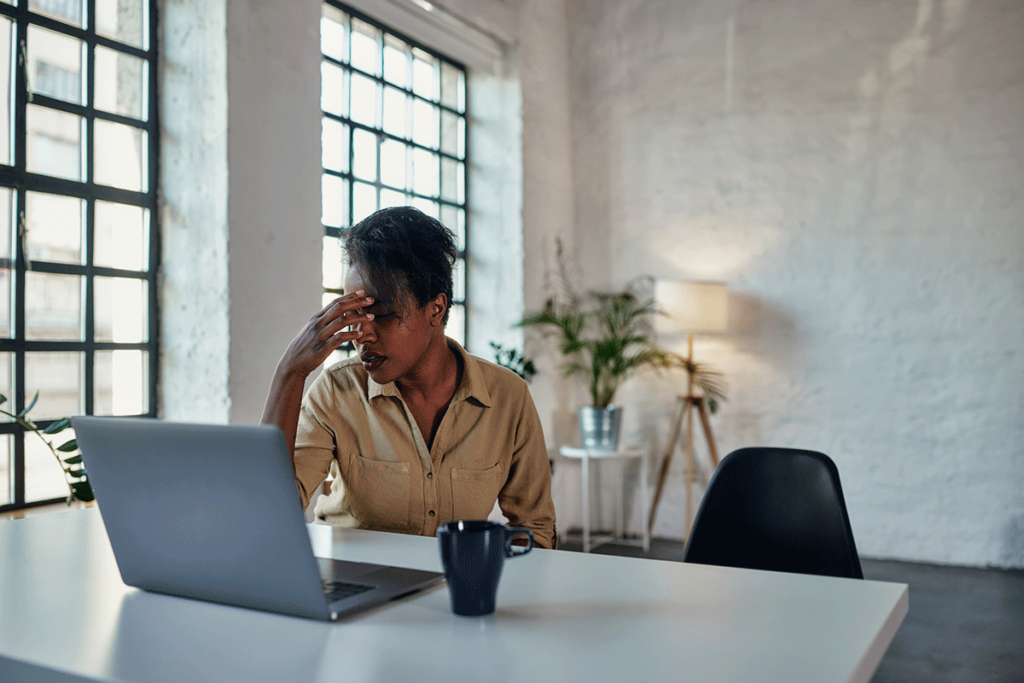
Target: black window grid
point(20, 181)
point(338, 232)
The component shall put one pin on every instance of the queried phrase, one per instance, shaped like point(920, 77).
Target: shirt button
point(430, 475)
point(431, 513)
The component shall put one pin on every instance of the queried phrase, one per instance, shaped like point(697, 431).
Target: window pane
point(364, 201)
point(68, 11)
point(365, 47)
point(391, 198)
point(426, 206)
point(395, 103)
point(53, 306)
point(456, 327)
point(334, 145)
point(424, 75)
point(6, 469)
point(425, 172)
point(55, 65)
point(6, 222)
point(6, 383)
point(450, 85)
point(57, 376)
point(364, 100)
point(393, 163)
point(54, 143)
point(121, 382)
point(333, 263)
point(449, 133)
point(123, 20)
point(6, 27)
point(120, 156)
point(449, 179)
point(121, 310)
point(449, 219)
point(44, 477)
point(121, 236)
point(396, 61)
point(54, 227)
point(332, 33)
point(459, 281)
point(333, 90)
point(424, 120)
point(120, 83)
point(334, 193)
point(364, 155)
point(6, 326)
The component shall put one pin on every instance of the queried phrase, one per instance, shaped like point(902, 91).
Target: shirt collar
point(472, 385)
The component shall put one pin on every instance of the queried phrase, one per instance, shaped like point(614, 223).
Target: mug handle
point(517, 550)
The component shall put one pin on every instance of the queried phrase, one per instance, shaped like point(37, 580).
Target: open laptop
point(212, 512)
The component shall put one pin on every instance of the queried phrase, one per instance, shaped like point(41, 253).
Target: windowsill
point(41, 510)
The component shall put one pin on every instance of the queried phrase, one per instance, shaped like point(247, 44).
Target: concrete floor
point(965, 625)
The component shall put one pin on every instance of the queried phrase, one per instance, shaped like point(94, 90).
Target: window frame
point(348, 176)
point(20, 181)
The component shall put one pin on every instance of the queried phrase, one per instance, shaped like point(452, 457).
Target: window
point(394, 133)
point(78, 240)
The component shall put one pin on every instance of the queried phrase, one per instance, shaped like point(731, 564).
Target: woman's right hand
point(336, 324)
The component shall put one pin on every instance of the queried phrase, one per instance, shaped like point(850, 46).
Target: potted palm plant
point(606, 337)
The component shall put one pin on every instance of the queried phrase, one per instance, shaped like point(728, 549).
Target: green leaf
point(3, 399)
point(68, 446)
point(73, 460)
point(77, 474)
point(58, 426)
point(82, 490)
point(31, 405)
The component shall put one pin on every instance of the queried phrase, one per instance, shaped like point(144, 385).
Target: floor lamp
point(691, 307)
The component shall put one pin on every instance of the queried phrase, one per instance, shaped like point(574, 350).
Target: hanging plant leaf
point(82, 490)
point(3, 399)
point(73, 460)
point(77, 474)
point(68, 446)
point(58, 426)
point(31, 405)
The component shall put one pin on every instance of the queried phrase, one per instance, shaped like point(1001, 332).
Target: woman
point(415, 431)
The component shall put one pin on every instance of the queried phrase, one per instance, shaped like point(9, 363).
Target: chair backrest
point(779, 509)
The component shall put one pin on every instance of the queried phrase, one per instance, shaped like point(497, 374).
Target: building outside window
point(394, 134)
point(78, 241)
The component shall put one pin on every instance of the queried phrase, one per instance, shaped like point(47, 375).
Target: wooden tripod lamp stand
point(692, 307)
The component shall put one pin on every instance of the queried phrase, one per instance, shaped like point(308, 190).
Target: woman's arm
point(336, 324)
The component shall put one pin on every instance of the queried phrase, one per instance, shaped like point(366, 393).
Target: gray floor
point(964, 625)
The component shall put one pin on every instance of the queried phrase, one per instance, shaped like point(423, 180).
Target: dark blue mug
point(473, 553)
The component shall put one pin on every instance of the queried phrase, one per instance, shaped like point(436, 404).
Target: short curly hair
point(403, 250)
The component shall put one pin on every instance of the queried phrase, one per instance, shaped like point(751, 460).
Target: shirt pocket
point(377, 493)
point(474, 491)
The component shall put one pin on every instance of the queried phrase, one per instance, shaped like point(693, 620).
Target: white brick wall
point(854, 171)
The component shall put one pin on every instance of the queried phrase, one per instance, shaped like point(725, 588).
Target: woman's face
point(395, 342)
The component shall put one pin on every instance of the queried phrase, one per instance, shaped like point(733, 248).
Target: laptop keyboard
point(339, 590)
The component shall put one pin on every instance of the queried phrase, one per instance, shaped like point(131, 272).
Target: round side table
point(585, 455)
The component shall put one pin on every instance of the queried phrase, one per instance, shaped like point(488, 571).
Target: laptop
point(212, 512)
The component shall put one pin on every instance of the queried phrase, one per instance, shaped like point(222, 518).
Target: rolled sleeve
point(526, 497)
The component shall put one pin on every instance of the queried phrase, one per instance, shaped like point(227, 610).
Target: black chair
point(779, 509)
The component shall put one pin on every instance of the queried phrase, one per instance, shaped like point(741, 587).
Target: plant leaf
point(73, 460)
point(31, 405)
point(58, 426)
point(77, 474)
point(68, 446)
point(82, 490)
point(3, 399)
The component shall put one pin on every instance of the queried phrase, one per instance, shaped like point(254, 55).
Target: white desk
point(585, 455)
point(66, 616)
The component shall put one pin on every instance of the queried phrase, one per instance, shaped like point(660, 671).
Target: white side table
point(584, 455)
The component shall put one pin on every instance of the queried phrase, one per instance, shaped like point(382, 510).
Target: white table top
point(561, 616)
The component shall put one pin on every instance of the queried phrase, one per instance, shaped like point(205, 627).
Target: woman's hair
point(403, 250)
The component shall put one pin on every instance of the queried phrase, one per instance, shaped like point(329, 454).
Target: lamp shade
point(691, 306)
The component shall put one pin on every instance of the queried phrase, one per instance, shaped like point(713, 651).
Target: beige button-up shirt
point(489, 446)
